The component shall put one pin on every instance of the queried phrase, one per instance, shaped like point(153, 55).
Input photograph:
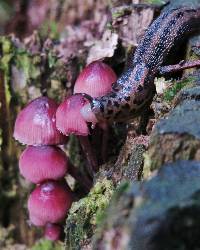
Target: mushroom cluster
point(95, 80)
point(44, 164)
point(43, 125)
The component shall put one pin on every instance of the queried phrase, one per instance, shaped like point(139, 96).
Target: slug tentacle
point(134, 90)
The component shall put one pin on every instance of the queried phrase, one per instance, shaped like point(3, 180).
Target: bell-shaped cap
point(36, 123)
point(52, 231)
point(69, 119)
point(49, 202)
point(41, 163)
point(96, 79)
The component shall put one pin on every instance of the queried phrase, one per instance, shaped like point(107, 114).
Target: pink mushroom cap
point(49, 202)
point(36, 221)
point(96, 79)
point(40, 163)
point(52, 231)
point(36, 123)
point(69, 119)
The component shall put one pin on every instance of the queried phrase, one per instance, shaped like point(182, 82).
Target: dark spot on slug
point(117, 114)
point(127, 98)
point(140, 88)
point(116, 104)
point(181, 14)
point(138, 102)
point(113, 95)
point(110, 112)
point(109, 103)
point(101, 107)
point(115, 86)
point(126, 106)
point(146, 85)
point(128, 88)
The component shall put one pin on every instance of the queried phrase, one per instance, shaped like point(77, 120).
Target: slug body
point(134, 90)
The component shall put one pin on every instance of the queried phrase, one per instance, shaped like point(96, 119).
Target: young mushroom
point(52, 231)
point(96, 79)
point(40, 163)
point(36, 123)
point(49, 202)
point(69, 120)
point(68, 117)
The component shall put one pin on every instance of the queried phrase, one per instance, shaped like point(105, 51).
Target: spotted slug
point(134, 90)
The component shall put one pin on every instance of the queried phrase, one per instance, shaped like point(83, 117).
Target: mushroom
point(49, 202)
point(96, 79)
point(52, 231)
point(68, 117)
point(41, 163)
point(38, 164)
point(69, 120)
point(36, 123)
point(36, 221)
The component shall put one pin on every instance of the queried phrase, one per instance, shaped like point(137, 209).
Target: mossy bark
point(162, 213)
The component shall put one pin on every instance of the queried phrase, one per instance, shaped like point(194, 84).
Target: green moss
point(47, 245)
point(109, 217)
point(23, 71)
point(27, 70)
point(7, 47)
point(49, 29)
point(52, 59)
point(170, 93)
point(85, 214)
point(7, 55)
point(28, 63)
point(122, 188)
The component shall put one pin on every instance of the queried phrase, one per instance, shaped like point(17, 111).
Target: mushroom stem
point(90, 155)
point(83, 180)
